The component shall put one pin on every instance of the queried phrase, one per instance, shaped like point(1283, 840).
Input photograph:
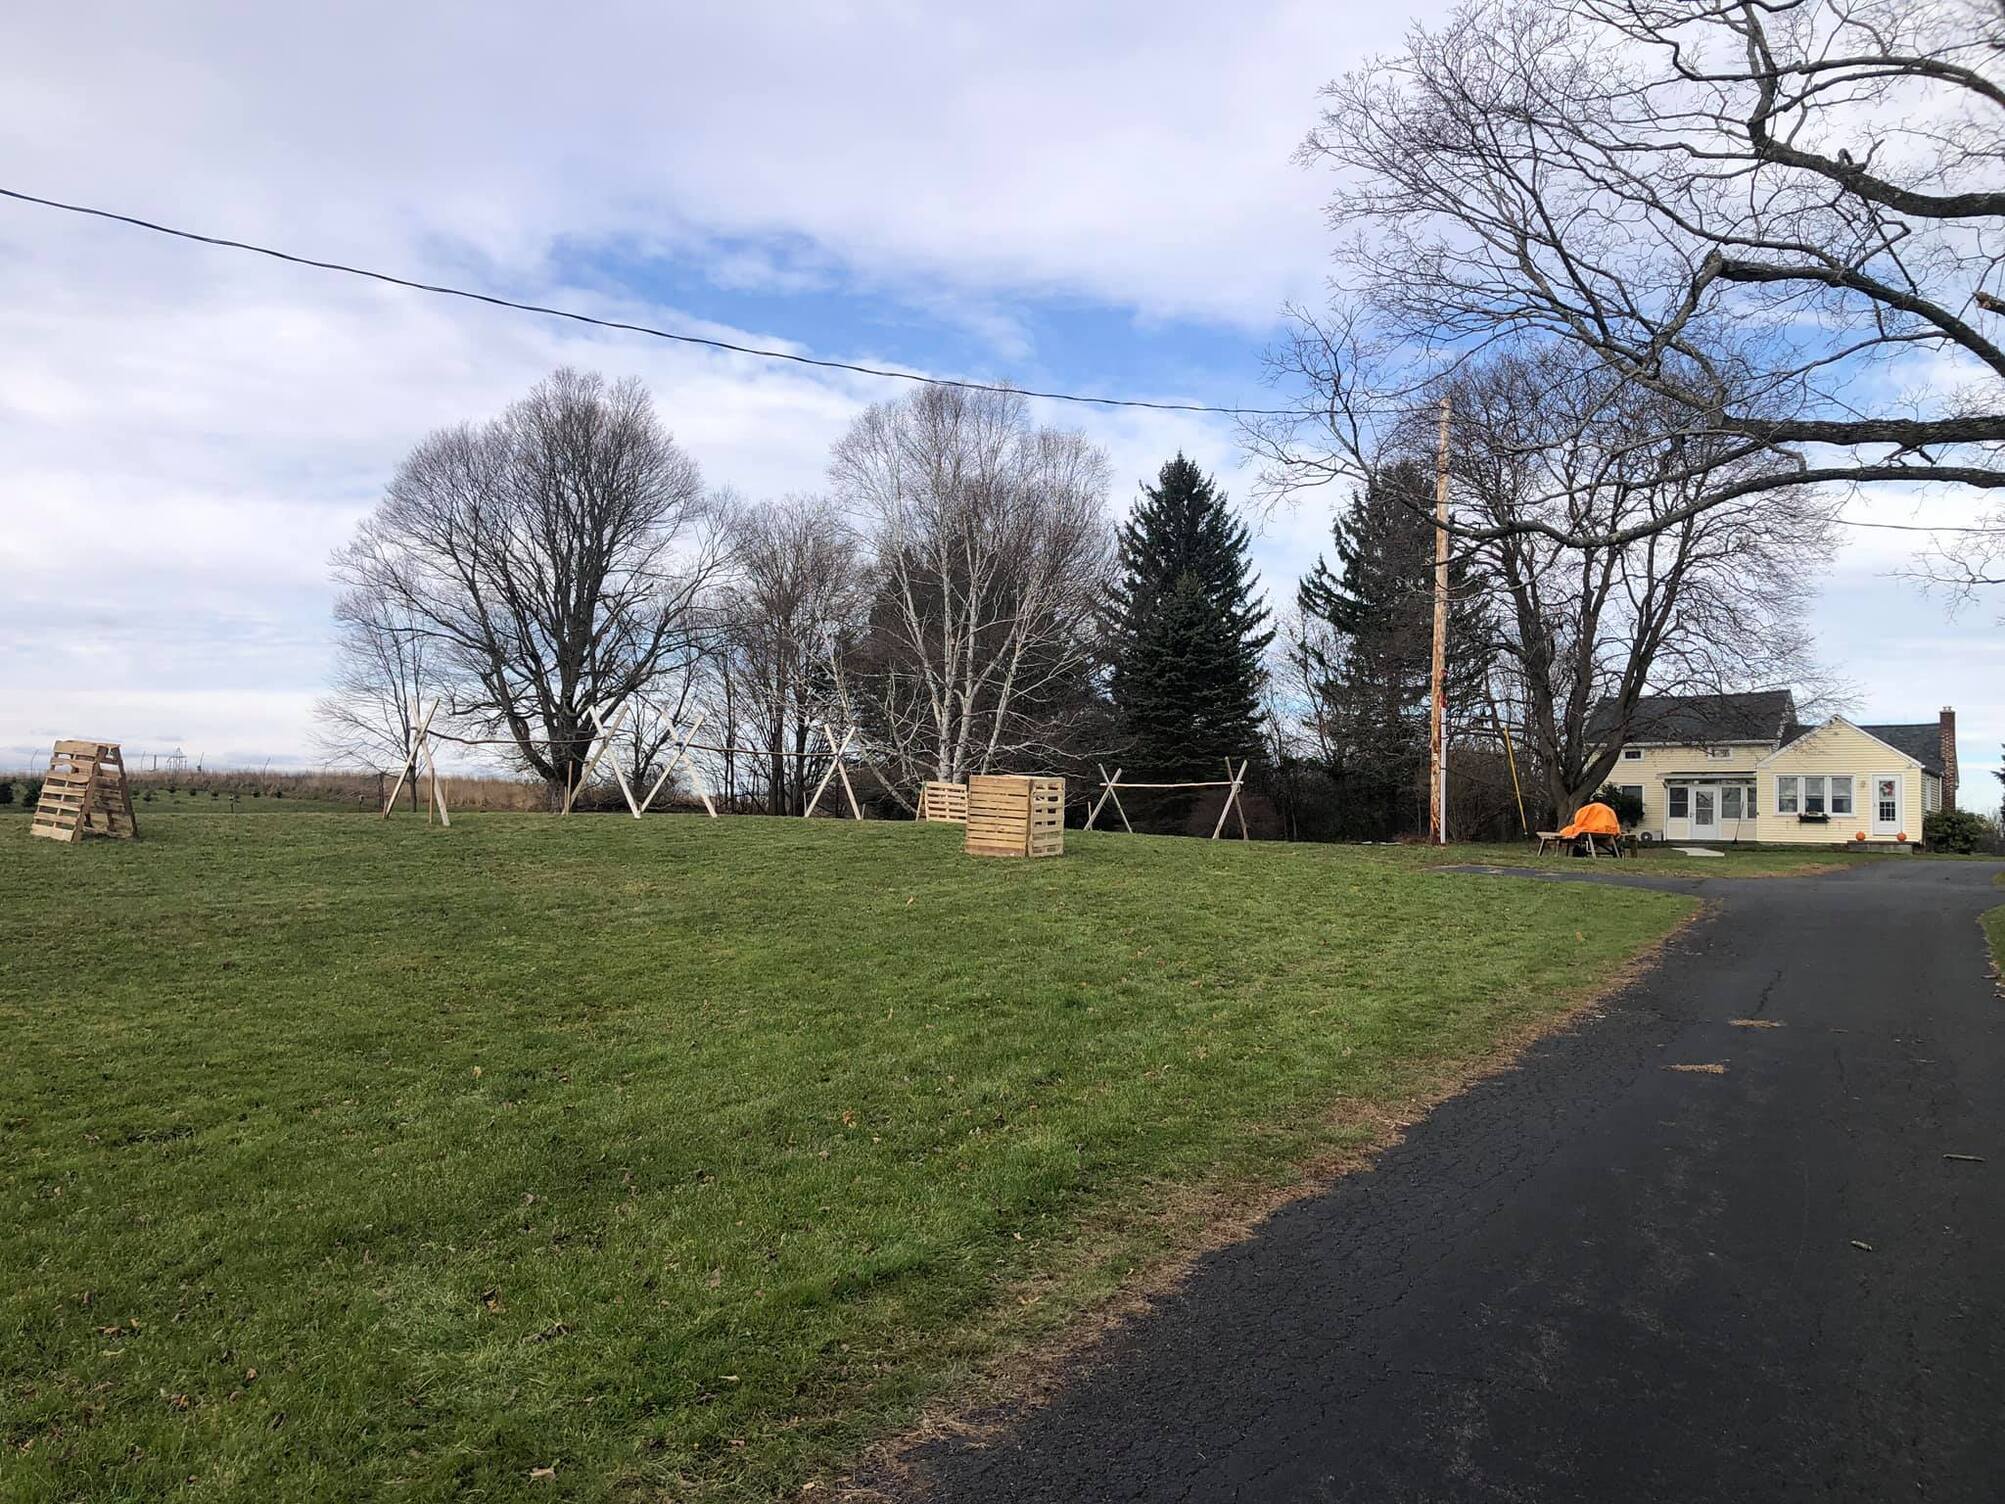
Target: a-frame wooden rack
point(85, 793)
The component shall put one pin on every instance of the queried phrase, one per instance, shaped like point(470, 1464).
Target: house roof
point(1922, 742)
point(1696, 720)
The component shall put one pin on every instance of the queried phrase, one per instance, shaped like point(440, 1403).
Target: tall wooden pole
point(1437, 720)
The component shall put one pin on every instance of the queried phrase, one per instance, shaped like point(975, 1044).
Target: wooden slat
point(1015, 815)
point(84, 793)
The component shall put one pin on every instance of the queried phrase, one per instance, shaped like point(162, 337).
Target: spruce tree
point(1187, 634)
point(1372, 688)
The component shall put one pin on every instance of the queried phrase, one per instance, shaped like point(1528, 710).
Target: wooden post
point(1107, 792)
point(605, 741)
point(410, 766)
point(835, 768)
point(619, 772)
point(1231, 804)
point(1510, 755)
point(682, 742)
point(1437, 719)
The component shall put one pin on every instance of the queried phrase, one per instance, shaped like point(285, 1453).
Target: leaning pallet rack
point(84, 793)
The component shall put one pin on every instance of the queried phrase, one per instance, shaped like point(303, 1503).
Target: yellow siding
point(1838, 747)
point(1656, 763)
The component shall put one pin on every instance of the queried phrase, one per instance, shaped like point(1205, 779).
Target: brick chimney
point(1948, 757)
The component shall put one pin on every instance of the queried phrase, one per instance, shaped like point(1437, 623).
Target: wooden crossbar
point(419, 759)
point(1107, 791)
point(835, 770)
point(606, 734)
point(1235, 780)
point(684, 741)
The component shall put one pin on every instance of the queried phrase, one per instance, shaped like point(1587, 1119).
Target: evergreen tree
point(1186, 633)
point(1372, 685)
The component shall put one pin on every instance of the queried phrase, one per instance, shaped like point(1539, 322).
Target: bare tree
point(1779, 217)
point(991, 552)
point(550, 562)
point(792, 610)
point(1703, 599)
point(381, 673)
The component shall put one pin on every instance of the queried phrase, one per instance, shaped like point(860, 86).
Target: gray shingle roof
point(1759, 716)
point(1922, 742)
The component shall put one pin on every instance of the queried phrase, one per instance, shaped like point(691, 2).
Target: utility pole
point(1437, 720)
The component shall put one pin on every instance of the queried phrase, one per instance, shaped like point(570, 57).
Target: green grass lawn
point(345, 1159)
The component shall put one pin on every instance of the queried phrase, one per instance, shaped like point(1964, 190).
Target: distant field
point(350, 1160)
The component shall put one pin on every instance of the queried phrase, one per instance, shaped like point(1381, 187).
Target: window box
point(1813, 819)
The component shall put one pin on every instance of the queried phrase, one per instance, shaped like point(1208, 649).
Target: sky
point(1100, 199)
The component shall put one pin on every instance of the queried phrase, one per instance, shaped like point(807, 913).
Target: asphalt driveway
point(1597, 1278)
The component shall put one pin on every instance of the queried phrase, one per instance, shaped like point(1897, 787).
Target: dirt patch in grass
point(1186, 1225)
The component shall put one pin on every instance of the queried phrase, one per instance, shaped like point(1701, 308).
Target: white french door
point(1705, 814)
point(1886, 792)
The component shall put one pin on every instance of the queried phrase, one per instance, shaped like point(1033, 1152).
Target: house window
point(1719, 754)
point(1785, 796)
point(1730, 802)
point(1813, 796)
point(1889, 801)
point(1634, 791)
point(1749, 791)
point(1679, 806)
point(1632, 754)
point(1841, 795)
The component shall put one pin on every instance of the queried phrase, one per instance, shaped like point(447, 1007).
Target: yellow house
point(1741, 767)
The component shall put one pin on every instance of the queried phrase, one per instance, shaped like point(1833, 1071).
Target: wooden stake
point(1437, 719)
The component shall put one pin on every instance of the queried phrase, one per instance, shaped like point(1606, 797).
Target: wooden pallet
point(944, 801)
point(85, 793)
point(1015, 816)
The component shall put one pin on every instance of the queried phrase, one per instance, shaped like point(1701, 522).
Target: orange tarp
point(1593, 820)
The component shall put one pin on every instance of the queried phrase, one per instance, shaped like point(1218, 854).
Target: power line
point(647, 329)
point(756, 351)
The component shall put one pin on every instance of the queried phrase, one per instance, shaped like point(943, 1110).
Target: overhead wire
point(759, 352)
point(677, 336)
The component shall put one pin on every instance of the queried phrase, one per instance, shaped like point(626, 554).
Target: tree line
point(963, 596)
